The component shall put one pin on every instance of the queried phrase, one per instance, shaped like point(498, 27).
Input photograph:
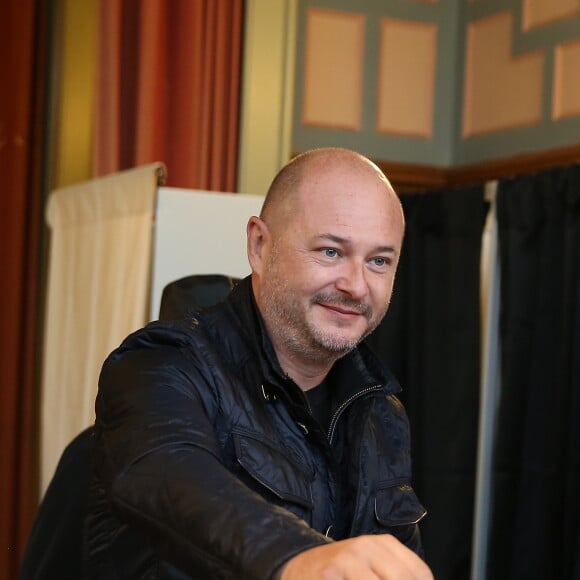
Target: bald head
point(284, 194)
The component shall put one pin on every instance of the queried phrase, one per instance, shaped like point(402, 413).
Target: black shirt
point(320, 400)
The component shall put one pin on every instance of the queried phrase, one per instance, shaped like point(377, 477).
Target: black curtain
point(536, 476)
point(430, 338)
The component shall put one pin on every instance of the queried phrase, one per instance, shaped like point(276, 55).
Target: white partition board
point(199, 232)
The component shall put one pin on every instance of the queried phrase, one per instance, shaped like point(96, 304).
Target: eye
point(380, 262)
point(330, 252)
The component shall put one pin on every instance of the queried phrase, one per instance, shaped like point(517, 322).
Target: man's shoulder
point(159, 334)
point(211, 336)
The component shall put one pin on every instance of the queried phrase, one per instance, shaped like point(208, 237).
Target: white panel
point(199, 232)
point(490, 385)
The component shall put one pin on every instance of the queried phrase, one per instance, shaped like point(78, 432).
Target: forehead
point(349, 202)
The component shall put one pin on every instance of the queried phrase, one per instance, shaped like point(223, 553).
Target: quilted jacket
point(209, 463)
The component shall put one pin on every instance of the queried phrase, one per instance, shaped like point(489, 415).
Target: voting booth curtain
point(97, 292)
point(535, 530)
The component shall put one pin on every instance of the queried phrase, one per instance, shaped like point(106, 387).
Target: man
point(260, 439)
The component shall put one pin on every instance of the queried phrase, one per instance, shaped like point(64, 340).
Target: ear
point(259, 238)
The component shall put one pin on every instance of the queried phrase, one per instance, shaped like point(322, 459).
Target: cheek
point(381, 291)
point(314, 277)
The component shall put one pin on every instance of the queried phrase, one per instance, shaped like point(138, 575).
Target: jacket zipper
point(344, 405)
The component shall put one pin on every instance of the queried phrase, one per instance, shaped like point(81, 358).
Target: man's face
point(329, 273)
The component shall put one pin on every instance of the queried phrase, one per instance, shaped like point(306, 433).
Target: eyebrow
point(347, 242)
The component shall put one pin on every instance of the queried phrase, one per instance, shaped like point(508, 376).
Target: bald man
point(261, 438)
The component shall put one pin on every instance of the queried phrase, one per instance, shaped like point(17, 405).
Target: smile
point(341, 310)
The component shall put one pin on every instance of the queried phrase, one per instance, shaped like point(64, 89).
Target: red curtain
point(169, 89)
point(22, 47)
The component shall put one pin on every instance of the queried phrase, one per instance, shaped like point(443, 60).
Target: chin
point(337, 344)
point(334, 338)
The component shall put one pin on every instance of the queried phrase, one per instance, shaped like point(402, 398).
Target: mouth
point(345, 312)
point(341, 310)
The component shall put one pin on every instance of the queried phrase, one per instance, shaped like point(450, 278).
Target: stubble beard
point(290, 326)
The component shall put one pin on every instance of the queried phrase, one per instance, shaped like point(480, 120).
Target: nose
point(352, 280)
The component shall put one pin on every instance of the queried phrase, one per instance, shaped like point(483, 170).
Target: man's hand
point(380, 557)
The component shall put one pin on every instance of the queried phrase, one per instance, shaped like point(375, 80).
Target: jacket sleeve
point(159, 462)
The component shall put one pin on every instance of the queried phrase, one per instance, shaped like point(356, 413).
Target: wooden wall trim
point(407, 177)
point(411, 177)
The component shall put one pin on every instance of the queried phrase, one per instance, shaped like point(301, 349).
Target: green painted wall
point(547, 134)
point(446, 148)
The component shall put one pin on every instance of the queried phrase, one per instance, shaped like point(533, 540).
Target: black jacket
point(210, 465)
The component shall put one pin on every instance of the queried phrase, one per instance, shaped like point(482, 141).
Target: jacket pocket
point(397, 505)
point(398, 511)
point(274, 469)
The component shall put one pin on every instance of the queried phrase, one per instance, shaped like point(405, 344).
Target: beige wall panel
point(73, 145)
point(541, 12)
point(267, 92)
point(566, 92)
point(405, 92)
point(333, 69)
point(501, 92)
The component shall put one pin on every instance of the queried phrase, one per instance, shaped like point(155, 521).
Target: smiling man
point(262, 439)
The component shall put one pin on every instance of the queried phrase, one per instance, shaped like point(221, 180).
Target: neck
point(307, 374)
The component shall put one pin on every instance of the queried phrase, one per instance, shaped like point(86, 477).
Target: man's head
point(324, 252)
